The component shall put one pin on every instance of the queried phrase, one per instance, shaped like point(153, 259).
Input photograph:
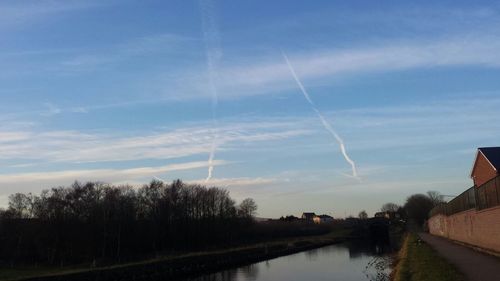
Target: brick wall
point(483, 171)
point(478, 228)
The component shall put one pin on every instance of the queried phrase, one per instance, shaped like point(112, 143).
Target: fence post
point(476, 197)
point(496, 190)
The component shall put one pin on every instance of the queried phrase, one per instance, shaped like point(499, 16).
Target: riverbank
point(417, 261)
point(172, 267)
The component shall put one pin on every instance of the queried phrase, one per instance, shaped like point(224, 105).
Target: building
point(323, 219)
point(473, 216)
point(308, 216)
point(486, 165)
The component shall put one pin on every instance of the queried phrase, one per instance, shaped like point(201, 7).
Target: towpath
point(476, 266)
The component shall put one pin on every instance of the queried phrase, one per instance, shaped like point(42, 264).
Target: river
point(350, 261)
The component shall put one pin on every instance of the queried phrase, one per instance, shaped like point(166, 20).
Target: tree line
point(102, 223)
point(416, 207)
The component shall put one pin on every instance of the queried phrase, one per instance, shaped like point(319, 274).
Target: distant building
point(308, 216)
point(323, 219)
point(486, 165)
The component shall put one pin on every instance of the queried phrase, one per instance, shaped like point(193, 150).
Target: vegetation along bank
point(417, 261)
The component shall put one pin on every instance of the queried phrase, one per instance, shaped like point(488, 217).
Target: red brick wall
point(483, 171)
point(478, 228)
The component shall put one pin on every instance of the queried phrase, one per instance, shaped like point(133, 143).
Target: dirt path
point(475, 265)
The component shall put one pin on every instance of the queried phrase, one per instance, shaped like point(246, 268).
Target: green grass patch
point(419, 262)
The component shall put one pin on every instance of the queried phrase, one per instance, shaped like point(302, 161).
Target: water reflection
point(355, 260)
point(312, 255)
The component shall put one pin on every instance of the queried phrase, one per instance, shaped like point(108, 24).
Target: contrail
point(213, 52)
point(158, 179)
point(325, 123)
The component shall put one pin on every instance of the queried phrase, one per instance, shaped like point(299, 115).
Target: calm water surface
point(356, 261)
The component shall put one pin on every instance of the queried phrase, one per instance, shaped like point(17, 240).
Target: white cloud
point(431, 124)
point(51, 109)
point(112, 53)
point(6, 137)
point(20, 12)
point(75, 146)
point(106, 175)
point(79, 110)
point(261, 75)
point(236, 182)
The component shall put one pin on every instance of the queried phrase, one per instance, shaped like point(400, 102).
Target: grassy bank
point(419, 262)
point(170, 267)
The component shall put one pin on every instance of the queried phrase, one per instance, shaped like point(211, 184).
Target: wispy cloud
point(444, 122)
point(75, 146)
point(7, 137)
point(20, 12)
point(107, 175)
point(236, 182)
point(269, 74)
point(80, 110)
point(51, 109)
point(113, 53)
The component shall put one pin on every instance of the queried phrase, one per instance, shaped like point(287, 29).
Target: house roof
point(492, 155)
point(308, 214)
point(325, 217)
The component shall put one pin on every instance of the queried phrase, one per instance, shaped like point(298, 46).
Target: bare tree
point(21, 205)
point(248, 208)
point(435, 197)
point(96, 220)
point(390, 207)
point(363, 215)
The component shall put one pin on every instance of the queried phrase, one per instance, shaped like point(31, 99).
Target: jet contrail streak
point(213, 51)
point(158, 179)
point(325, 123)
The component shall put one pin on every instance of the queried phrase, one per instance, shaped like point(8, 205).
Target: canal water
point(351, 261)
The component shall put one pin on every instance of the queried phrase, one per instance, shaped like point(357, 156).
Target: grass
point(419, 262)
point(20, 273)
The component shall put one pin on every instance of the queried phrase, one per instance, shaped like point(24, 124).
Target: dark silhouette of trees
point(21, 205)
point(247, 208)
point(417, 207)
point(435, 197)
point(289, 218)
point(390, 207)
point(102, 223)
point(363, 215)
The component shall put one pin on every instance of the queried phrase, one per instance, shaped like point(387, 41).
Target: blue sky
point(125, 91)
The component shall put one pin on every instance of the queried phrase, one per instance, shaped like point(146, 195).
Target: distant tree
point(390, 207)
point(402, 213)
point(417, 207)
point(363, 215)
point(97, 221)
point(435, 197)
point(248, 208)
point(3, 214)
point(21, 205)
point(289, 218)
